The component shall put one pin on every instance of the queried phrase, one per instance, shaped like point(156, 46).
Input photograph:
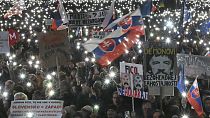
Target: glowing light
point(30, 62)
point(112, 74)
point(87, 59)
point(107, 81)
point(14, 63)
point(93, 59)
point(53, 73)
point(22, 76)
point(185, 116)
point(96, 107)
point(169, 24)
point(184, 94)
point(51, 93)
point(5, 94)
point(168, 40)
point(32, 57)
point(49, 77)
point(28, 84)
point(186, 82)
point(49, 85)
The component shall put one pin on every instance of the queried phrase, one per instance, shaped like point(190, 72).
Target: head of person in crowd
point(147, 109)
point(73, 72)
point(111, 111)
point(158, 114)
point(78, 114)
point(207, 105)
point(69, 111)
point(97, 88)
point(20, 96)
point(9, 85)
point(87, 111)
point(115, 98)
point(38, 95)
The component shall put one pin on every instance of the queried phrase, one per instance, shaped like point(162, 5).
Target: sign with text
point(54, 48)
point(36, 109)
point(194, 65)
point(98, 34)
point(160, 64)
point(4, 43)
point(131, 78)
point(86, 19)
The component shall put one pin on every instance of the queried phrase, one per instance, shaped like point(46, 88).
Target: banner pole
point(58, 70)
point(133, 103)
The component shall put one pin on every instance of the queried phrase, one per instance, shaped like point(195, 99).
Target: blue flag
point(146, 8)
point(181, 83)
point(187, 14)
point(205, 27)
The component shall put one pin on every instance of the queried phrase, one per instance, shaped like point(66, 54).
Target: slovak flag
point(193, 97)
point(120, 40)
point(59, 20)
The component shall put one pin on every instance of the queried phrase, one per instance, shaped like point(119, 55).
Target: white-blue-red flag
point(120, 40)
point(193, 97)
point(62, 12)
point(110, 16)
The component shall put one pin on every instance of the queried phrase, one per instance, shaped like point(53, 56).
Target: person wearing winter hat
point(20, 96)
point(87, 111)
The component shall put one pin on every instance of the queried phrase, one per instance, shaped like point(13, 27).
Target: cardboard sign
point(36, 109)
point(86, 19)
point(131, 78)
point(160, 64)
point(4, 43)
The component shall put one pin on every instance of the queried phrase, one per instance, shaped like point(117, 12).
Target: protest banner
point(86, 18)
point(54, 48)
point(4, 43)
point(194, 65)
point(36, 109)
point(131, 78)
point(160, 64)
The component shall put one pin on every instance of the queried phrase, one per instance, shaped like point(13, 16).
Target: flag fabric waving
point(193, 97)
point(62, 12)
point(187, 14)
point(146, 8)
point(59, 19)
point(120, 40)
point(110, 16)
point(181, 83)
point(17, 9)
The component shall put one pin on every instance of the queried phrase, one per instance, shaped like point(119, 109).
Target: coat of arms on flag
point(108, 45)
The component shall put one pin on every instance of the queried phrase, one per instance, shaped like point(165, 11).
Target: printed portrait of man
point(125, 80)
point(138, 82)
point(160, 64)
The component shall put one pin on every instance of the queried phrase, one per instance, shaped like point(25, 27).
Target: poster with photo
point(131, 81)
point(160, 64)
